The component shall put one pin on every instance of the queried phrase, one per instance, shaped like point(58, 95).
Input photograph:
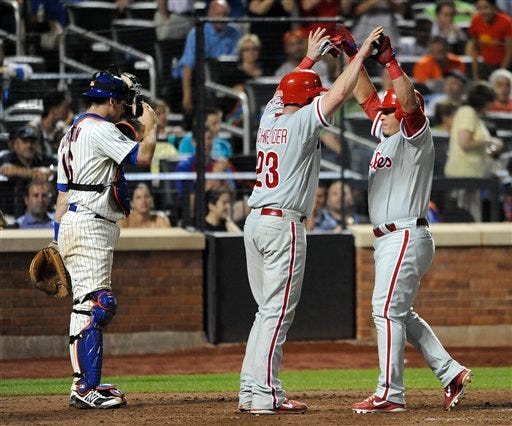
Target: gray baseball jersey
point(400, 179)
point(288, 157)
point(288, 165)
point(400, 176)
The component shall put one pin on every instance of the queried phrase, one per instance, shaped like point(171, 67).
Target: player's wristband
point(306, 64)
point(56, 226)
point(394, 69)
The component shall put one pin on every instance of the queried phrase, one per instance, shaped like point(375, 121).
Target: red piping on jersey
point(386, 308)
point(320, 115)
point(281, 317)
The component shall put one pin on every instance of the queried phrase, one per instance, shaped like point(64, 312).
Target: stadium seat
point(142, 10)
point(94, 16)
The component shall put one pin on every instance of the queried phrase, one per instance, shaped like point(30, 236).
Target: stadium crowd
point(459, 54)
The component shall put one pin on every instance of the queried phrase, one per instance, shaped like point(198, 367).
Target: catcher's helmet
point(390, 100)
point(300, 87)
point(104, 84)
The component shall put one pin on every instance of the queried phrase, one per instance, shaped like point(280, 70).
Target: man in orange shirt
point(490, 37)
point(430, 69)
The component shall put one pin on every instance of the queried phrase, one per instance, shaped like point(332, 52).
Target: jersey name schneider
point(272, 136)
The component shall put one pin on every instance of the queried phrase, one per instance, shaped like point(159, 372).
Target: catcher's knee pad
point(86, 347)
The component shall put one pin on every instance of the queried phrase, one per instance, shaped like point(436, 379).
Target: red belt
point(421, 221)
point(269, 211)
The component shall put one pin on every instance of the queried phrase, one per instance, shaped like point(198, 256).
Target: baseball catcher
point(48, 273)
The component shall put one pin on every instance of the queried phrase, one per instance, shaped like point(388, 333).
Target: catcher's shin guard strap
point(86, 345)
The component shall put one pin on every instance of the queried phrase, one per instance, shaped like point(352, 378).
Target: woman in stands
point(142, 215)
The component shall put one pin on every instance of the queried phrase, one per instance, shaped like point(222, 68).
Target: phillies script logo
point(380, 162)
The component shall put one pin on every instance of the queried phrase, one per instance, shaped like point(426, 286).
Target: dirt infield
point(326, 408)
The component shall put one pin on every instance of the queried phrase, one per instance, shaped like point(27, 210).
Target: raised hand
point(315, 40)
point(385, 52)
point(369, 44)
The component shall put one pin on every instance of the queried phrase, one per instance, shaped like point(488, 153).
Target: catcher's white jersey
point(89, 154)
point(400, 176)
point(288, 157)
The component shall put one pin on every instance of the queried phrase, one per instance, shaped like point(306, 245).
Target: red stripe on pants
point(386, 308)
point(281, 317)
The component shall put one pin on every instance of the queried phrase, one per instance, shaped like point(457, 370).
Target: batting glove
point(385, 52)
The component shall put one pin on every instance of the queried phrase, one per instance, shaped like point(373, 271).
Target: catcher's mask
point(300, 87)
point(390, 100)
point(134, 102)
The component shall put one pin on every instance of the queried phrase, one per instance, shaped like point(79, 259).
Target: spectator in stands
point(249, 67)
point(471, 146)
point(418, 42)
point(142, 214)
point(321, 196)
point(490, 35)
point(445, 27)
point(218, 216)
point(52, 125)
point(444, 114)
point(220, 165)
point(331, 218)
point(165, 148)
point(368, 14)
point(221, 147)
point(319, 9)
point(248, 50)
point(22, 164)
point(431, 68)
point(220, 39)
point(464, 11)
point(173, 19)
point(164, 131)
point(454, 90)
point(23, 161)
point(294, 44)
point(37, 199)
point(269, 33)
point(501, 82)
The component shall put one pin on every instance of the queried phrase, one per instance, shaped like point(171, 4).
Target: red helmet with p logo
point(300, 87)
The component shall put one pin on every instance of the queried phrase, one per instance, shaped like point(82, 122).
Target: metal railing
point(17, 38)
point(91, 36)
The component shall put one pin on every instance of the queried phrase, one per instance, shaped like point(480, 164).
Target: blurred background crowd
point(459, 54)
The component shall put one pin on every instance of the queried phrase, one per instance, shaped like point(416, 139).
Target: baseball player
point(92, 197)
point(288, 164)
point(400, 180)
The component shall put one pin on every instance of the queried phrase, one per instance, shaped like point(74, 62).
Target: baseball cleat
point(94, 399)
point(289, 406)
point(454, 392)
point(375, 404)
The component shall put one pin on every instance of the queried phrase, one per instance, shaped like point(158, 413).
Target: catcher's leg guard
point(86, 338)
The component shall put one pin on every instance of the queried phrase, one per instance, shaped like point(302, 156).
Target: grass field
point(311, 380)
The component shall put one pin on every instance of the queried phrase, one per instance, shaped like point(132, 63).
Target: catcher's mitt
point(48, 273)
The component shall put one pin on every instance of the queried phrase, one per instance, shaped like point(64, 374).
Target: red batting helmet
point(300, 87)
point(390, 100)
